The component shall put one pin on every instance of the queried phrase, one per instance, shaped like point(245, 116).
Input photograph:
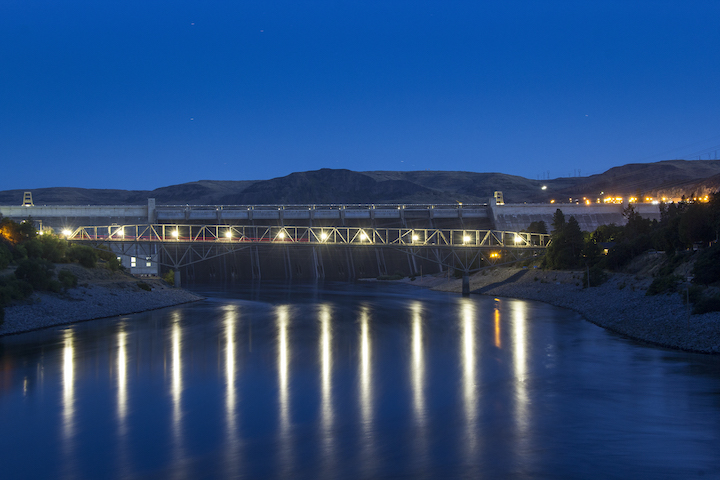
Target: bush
point(169, 277)
point(36, 271)
point(84, 255)
point(34, 248)
point(110, 259)
point(663, 284)
point(707, 266)
point(12, 289)
point(19, 252)
point(144, 286)
point(67, 279)
point(55, 286)
point(5, 256)
point(695, 293)
point(597, 277)
point(54, 248)
point(707, 304)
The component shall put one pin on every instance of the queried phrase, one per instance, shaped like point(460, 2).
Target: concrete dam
point(337, 262)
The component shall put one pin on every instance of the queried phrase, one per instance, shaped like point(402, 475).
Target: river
point(353, 381)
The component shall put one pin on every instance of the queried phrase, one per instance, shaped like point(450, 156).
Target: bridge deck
point(301, 235)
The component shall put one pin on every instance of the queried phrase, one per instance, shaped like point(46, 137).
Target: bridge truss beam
point(184, 244)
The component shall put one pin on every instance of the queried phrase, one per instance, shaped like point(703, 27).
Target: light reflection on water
point(418, 384)
point(232, 443)
point(353, 384)
point(68, 404)
point(285, 453)
point(470, 380)
point(176, 391)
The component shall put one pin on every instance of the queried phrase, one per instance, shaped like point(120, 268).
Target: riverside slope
point(619, 305)
point(100, 293)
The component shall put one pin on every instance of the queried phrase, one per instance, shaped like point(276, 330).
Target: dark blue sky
point(138, 95)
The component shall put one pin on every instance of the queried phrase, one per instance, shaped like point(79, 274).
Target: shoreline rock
point(619, 305)
point(100, 294)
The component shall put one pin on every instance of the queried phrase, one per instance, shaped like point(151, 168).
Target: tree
point(565, 250)
point(636, 225)
point(694, 225)
point(558, 223)
point(537, 227)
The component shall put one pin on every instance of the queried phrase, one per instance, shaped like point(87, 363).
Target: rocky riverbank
point(99, 294)
point(619, 305)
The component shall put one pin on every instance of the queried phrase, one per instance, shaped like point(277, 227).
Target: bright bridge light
point(466, 238)
point(415, 238)
point(228, 234)
point(67, 232)
point(175, 233)
point(518, 239)
point(323, 236)
point(363, 236)
point(281, 235)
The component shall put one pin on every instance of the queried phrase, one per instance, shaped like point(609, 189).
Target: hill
point(670, 178)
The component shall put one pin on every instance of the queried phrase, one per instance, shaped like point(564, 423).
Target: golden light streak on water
point(283, 354)
point(367, 441)
point(520, 346)
point(68, 386)
point(231, 420)
point(498, 344)
point(122, 396)
point(418, 384)
point(176, 389)
point(469, 376)
point(366, 400)
point(285, 447)
point(326, 408)
point(68, 405)
point(122, 458)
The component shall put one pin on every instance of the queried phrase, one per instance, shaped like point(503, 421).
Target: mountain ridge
point(668, 178)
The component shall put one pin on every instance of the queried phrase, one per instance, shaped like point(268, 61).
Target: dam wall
point(509, 217)
point(275, 262)
point(516, 217)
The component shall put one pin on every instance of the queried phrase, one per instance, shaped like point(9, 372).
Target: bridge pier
point(176, 274)
point(466, 284)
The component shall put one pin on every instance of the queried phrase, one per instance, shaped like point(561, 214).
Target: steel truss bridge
point(185, 244)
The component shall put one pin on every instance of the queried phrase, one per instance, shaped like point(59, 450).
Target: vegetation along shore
point(45, 281)
point(654, 281)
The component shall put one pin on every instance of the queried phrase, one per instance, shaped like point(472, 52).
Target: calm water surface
point(353, 381)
